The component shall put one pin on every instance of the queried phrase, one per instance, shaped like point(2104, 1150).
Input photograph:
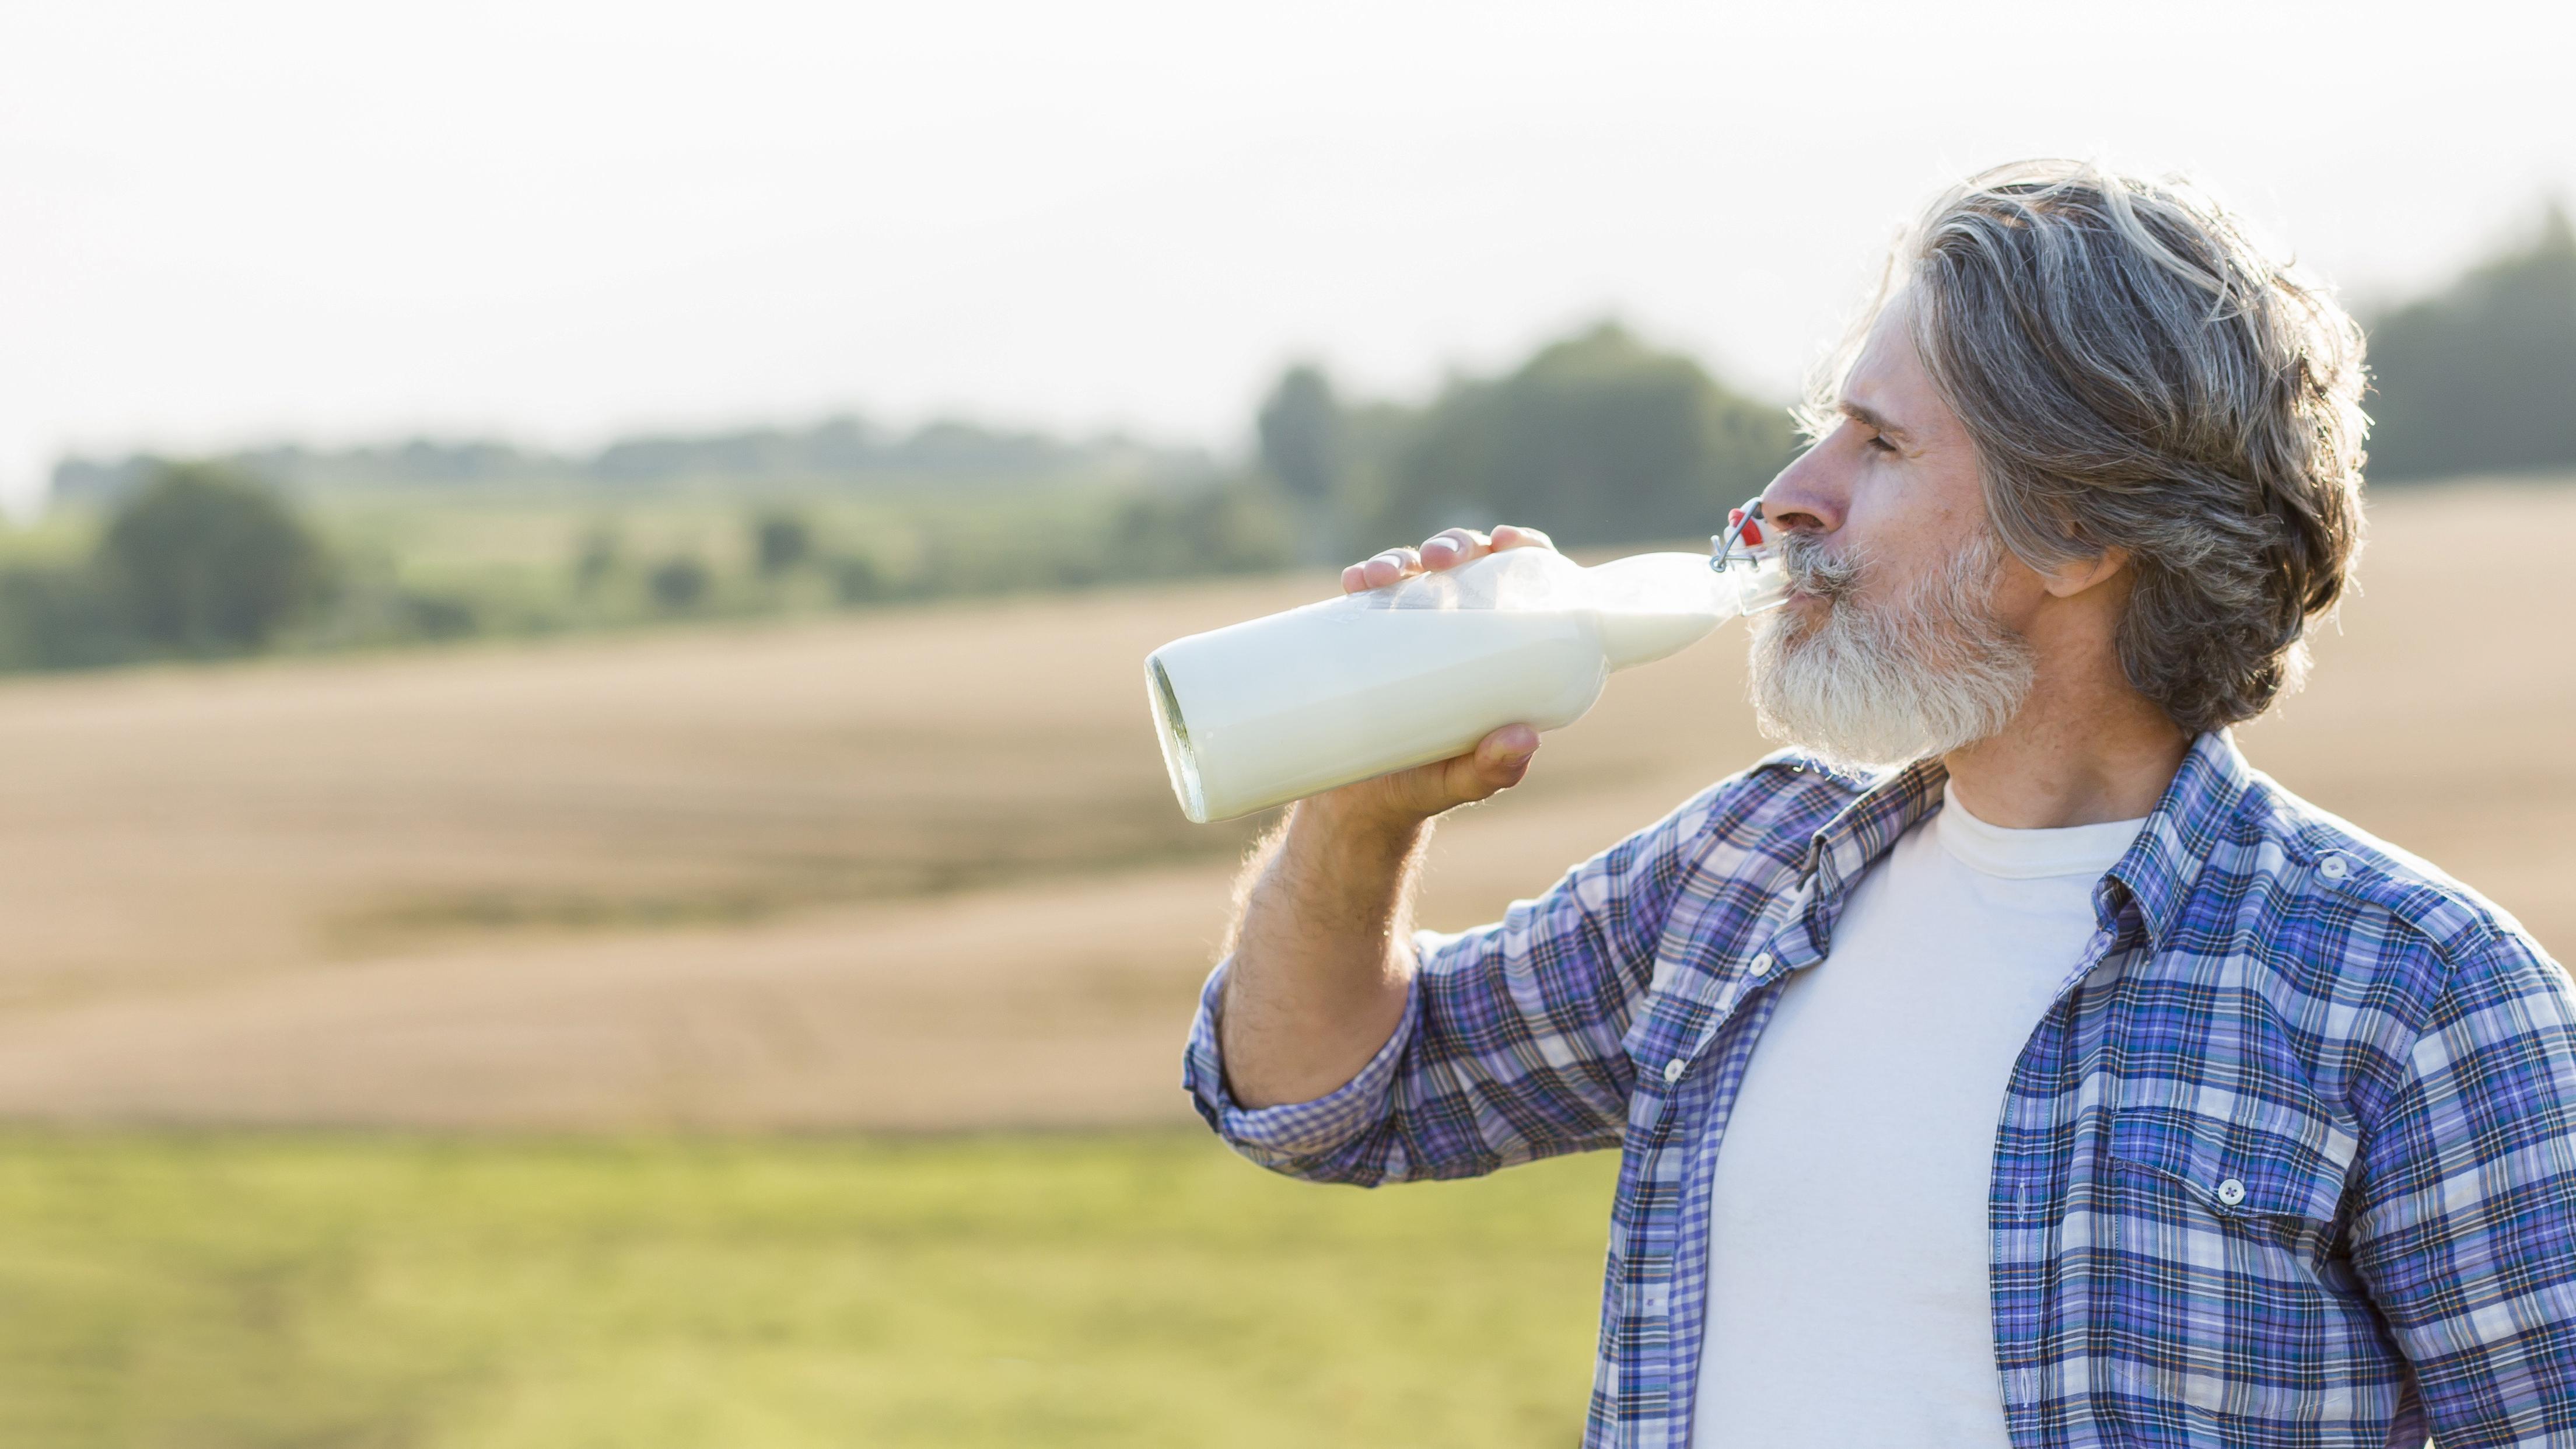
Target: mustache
point(1812, 570)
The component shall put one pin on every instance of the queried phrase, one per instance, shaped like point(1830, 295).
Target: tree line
point(845, 450)
point(2480, 377)
point(205, 561)
point(1599, 437)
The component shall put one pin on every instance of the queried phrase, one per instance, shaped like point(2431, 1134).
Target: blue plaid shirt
point(2290, 1161)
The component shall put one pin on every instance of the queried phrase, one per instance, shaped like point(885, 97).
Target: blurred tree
point(1372, 509)
point(780, 542)
point(857, 580)
point(1303, 450)
point(2481, 376)
point(440, 615)
point(61, 616)
point(601, 548)
point(678, 583)
point(205, 561)
point(1301, 434)
point(1597, 439)
point(1217, 530)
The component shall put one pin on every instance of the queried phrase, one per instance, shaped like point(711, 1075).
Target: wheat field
point(917, 868)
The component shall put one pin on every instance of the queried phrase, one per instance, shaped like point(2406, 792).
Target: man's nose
point(1809, 494)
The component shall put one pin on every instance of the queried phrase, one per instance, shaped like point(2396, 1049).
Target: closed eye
point(1878, 427)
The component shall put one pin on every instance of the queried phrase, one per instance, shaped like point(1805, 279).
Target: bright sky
point(238, 222)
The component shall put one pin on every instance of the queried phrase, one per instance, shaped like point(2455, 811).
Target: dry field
point(918, 869)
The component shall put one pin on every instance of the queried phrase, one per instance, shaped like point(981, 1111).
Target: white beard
point(1893, 681)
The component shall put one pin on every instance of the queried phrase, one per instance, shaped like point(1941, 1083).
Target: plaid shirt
point(2290, 1161)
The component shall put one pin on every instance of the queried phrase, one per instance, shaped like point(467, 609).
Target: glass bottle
point(1278, 708)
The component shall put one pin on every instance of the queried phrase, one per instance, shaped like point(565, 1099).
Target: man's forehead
point(1885, 384)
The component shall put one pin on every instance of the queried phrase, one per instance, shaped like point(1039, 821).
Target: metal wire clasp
point(1725, 550)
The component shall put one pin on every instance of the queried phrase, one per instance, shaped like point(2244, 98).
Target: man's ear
point(2075, 576)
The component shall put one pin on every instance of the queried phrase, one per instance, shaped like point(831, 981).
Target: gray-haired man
point(2072, 1084)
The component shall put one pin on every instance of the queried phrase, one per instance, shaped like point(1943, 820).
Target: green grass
point(235, 1290)
point(440, 535)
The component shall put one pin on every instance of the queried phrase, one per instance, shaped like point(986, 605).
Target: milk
point(1264, 712)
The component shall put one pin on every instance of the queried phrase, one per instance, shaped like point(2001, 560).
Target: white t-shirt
point(1847, 1283)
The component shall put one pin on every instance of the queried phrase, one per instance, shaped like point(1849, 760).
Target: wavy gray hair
point(2137, 374)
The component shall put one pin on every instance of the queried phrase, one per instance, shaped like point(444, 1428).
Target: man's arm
point(1336, 1043)
point(2466, 1225)
point(1507, 1042)
point(1320, 960)
point(1322, 951)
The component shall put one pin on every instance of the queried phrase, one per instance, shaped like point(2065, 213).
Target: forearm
point(1321, 959)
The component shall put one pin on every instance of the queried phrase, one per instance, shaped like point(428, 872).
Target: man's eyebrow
point(1871, 419)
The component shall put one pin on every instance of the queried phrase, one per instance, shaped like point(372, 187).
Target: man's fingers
point(1453, 546)
point(1392, 566)
point(1446, 549)
point(1387, 568)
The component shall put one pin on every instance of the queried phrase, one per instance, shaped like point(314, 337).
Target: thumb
point(1497, 763)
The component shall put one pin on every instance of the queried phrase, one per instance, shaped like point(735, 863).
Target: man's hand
point(1443, 550)
point(1321, 946)
point(1498, 761)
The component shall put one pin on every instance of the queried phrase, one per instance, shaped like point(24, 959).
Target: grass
point(525, 544)
point(237, 1291)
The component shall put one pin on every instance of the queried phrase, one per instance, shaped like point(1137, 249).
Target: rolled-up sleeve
point(1509, 1045)
point(1281, 1136)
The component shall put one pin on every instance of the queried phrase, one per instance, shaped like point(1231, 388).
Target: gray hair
point(2137, 374)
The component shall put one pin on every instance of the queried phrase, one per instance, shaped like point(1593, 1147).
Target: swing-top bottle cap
point(1746, 541)
point(1749, 546)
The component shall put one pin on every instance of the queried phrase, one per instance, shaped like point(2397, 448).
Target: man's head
point(2089, 427)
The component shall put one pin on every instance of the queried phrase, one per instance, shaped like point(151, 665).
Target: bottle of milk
point(1261, 713)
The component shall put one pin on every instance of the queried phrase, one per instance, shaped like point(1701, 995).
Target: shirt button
point(1673, 1069)
point(1762, 963)
point(2332, 867)
point(2231, 1192)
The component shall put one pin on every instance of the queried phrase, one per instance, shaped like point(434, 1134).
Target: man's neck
point(2074, 755)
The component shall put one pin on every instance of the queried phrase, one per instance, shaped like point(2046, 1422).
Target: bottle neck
point(1653, 604)
point(1629, 637)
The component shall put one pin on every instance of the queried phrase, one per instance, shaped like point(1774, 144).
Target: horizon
point(560, 227)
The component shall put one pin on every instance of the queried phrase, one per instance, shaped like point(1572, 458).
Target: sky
point(237, 223)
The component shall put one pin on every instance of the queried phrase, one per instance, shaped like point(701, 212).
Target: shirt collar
point(2161, 868)
point(2157, 873)
point(1862, 831)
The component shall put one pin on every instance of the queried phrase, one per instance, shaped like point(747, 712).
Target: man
point(2072, 1084)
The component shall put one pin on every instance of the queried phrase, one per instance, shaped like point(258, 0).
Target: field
point(648, 943)
point(805, 874)
point(233, 1292)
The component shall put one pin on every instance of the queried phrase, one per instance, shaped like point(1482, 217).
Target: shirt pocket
point(2281, 1170)
point(2229, 1296)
